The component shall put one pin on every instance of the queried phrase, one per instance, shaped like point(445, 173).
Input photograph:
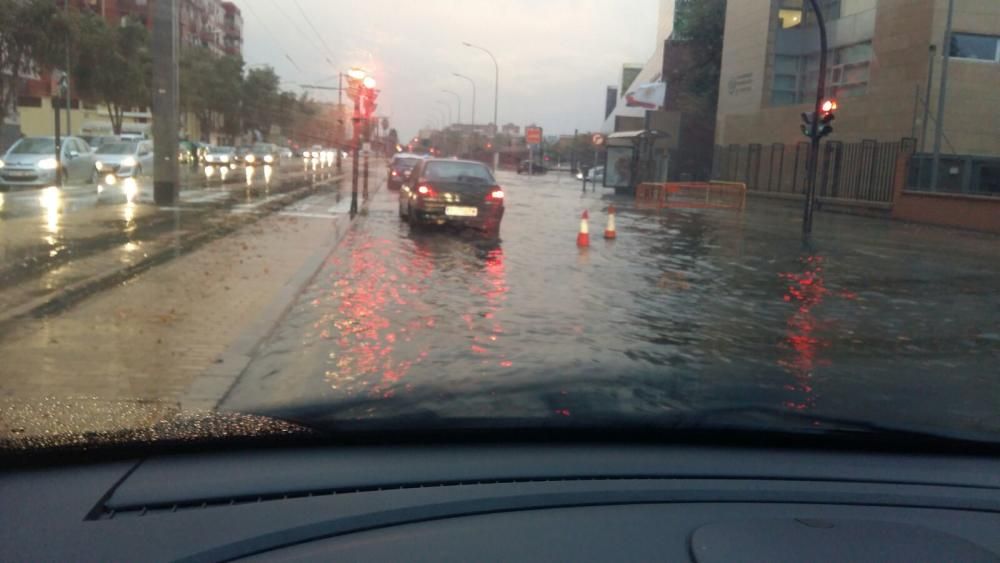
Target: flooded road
point(688, 308)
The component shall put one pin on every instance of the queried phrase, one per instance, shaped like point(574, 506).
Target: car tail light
point(394, 173)
point(496, 195)
point(425, 190)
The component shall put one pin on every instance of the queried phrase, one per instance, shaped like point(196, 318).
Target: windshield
point(118, 148)
point(34, 146)
point(652, 214)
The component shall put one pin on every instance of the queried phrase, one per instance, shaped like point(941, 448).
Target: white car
point(124, 159)
point(31, 162)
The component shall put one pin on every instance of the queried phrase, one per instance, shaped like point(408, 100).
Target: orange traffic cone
point(610, 233)
point(583, 239)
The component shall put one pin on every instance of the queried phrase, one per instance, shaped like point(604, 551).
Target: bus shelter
point(635, 157)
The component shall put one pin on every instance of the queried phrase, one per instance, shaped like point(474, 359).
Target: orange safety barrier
point(692, 195)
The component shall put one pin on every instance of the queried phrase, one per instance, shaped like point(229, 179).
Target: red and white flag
point(648, 96)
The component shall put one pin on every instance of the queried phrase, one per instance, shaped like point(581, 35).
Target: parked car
point(400, 168)
point(526, 167)
point(460, 192)
point(31, 162)
point(594, 175)
point(222, 156)
point(124, 159)
point(263, 154)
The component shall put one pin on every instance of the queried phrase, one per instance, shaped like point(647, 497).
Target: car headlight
point(268, 158)
point(99, 165)
point(209, 158)
point(129, 162)
point(251, 158)
point(223, 159)
point(48, 164)
point(2, 164)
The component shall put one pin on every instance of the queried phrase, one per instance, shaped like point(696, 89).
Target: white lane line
point(309, 215)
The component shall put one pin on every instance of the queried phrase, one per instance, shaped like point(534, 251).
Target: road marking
point(309, 215)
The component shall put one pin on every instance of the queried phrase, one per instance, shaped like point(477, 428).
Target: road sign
point(533, 135)
point(597, 139)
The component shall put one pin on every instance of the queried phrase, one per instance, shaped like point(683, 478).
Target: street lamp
point(447, 105)
point(496, 82)
point(473, 116)
point(458, 98)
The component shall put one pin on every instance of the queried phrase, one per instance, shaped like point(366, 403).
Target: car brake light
point(425, 190)
point(496, 194)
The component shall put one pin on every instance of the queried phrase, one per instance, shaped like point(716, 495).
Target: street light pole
point(458, 98)
point(813, 160)
point(496, 100)
point(447, 105)
point(340, 120)
point(472, 118)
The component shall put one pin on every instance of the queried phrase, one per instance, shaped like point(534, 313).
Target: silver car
point(124, 159)
point(31, 162)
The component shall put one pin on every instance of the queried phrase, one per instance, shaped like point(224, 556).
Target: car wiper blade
point(768, 418)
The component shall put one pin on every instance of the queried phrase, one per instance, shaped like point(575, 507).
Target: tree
point(210, 88)
point(114, 66)
point(702, 23)
point(260, 99)
point(32, 33)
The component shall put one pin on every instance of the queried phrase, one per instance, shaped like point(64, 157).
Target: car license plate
point(19, 173)
point(455, 211)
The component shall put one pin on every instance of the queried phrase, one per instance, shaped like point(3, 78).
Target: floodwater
point(688, 309)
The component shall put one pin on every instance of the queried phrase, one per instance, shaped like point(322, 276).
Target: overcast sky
point(556, 56)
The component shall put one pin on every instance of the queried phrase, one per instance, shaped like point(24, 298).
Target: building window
point(977, 47)
point(785, 86)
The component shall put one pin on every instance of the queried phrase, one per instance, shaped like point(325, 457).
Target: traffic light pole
point(355, 134)
point(812, 163)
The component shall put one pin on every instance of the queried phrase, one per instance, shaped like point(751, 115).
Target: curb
point(209, 390)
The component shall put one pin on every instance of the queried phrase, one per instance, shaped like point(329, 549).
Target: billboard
point(533, 135)
point(618, 167)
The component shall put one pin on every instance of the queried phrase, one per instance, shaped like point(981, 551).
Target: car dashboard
point(507, 502)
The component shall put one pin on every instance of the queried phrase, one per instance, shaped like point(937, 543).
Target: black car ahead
point(400, 168)
point(526, 167)
point(458, 192)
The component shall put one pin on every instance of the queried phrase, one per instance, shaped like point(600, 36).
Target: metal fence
point(864, 171)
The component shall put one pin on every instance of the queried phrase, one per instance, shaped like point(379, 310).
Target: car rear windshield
point(467, 172)
point(117, 148)
point(34, 146)
point(406, 163)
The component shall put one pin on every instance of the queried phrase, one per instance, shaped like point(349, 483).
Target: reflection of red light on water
point(563, 412)
point(803, 339)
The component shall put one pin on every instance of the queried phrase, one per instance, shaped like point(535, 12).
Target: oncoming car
point(457, 192)
point(124, 159)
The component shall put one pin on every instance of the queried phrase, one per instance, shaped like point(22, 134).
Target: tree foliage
point(32, 36)
point(701, 22)
point(114, 66)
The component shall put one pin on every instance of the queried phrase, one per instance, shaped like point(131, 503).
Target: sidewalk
point(129, 355)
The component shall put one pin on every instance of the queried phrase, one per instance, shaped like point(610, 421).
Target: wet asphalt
point(687, 309)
